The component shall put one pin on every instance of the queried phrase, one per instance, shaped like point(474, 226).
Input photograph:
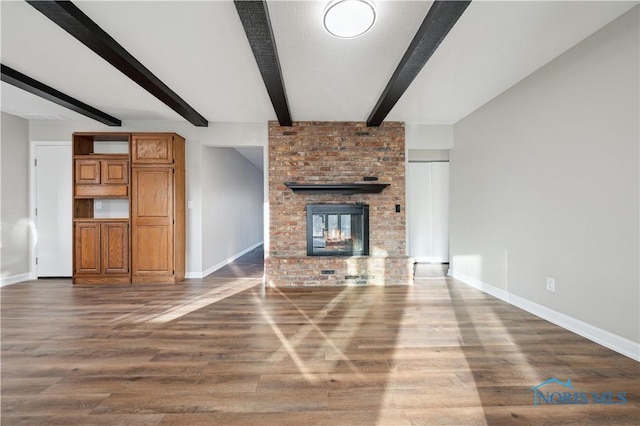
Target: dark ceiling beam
point(24, 82)
point(436, 25)
point(75, 22)
point(257, 25)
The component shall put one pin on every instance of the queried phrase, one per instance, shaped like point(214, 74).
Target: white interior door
point(440, 212)
point(428, 211)
point(419, 209)
point(53, 188)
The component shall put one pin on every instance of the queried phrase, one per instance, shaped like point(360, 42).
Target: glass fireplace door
point(337, 230)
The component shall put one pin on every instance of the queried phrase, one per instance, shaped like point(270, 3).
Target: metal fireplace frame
point(362, 209)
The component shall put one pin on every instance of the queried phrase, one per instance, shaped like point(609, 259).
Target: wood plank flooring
point(223, 350)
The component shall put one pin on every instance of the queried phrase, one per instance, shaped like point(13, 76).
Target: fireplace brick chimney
point(337, 153)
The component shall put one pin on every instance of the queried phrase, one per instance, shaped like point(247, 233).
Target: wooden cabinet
point(152, 220)
point(101, 252)
point(157, 209)
point(152, 149)
point(113, 172)
point(87, 172)
point(114, 248)
point(147, 246)
point(87, 248)
point(106, 177)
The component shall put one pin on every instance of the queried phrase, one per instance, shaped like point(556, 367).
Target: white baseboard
point(223, 263)
point(482, 286)
point(612, 341)
point(14, 279)
point(424, 259)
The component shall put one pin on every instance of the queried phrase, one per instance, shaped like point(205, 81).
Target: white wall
point(217, 134)
point(232, 200)
point(14, 210)
point(544, 183)
point(422, 136)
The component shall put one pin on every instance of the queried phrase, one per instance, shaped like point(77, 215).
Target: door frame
point(33, 249)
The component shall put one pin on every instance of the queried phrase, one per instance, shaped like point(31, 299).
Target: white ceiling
point(199, 49)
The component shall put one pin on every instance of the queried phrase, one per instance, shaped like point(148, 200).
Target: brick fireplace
point(317, 155)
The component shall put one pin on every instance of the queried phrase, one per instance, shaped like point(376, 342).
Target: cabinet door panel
point(152, 149)
point(153, 250)
point(153, 193)
point(87, 248)
point(87, 171)
point(114, 171)
point(115, 248)
point(152, 220)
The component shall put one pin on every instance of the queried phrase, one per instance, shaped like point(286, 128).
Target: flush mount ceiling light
point(349, 18)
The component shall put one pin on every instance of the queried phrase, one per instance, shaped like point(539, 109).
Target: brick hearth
point(336, 152)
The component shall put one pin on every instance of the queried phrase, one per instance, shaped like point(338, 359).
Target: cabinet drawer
point(102, 191)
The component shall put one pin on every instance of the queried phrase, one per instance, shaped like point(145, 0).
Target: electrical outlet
point(551, 284)
point(98, 205)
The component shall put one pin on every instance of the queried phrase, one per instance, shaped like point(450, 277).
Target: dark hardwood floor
point(224, 350)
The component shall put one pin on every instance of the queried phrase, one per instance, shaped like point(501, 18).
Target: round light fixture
point(349, 18)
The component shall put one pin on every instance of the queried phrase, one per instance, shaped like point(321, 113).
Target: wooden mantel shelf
point(336, 188)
